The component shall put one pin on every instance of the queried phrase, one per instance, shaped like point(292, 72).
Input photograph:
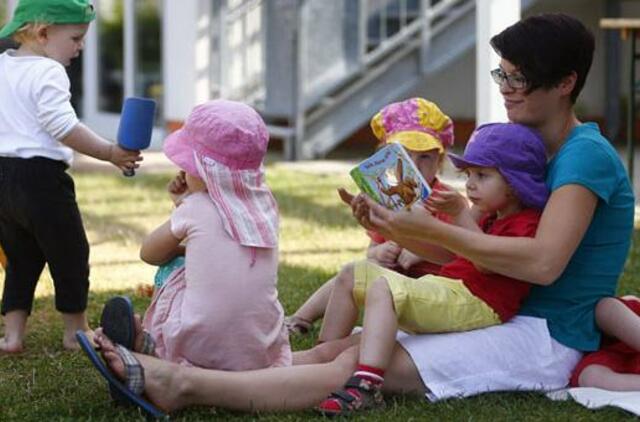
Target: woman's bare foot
point(138, 341)
point(12, 347)
point(161, 378)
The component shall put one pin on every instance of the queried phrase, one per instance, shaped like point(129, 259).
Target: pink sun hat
point(229, 132)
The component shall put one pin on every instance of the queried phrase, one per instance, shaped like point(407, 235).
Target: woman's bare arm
point(539, 260)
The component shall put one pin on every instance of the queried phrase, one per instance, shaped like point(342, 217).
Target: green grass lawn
point(317, 236)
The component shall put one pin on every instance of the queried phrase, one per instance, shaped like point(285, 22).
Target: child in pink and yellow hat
point(426, 133)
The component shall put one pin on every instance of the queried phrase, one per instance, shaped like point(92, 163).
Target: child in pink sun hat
point(221, 309)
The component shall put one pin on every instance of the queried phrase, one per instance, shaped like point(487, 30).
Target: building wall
point(459, 78)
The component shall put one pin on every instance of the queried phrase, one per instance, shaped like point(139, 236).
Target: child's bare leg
point(73, 323)
point(599, 376)
point(377, 345)
point(15, 327)
point(325, 352)
point(617, 320)
point(379, 326)
point(341, 313)
point(313, 308)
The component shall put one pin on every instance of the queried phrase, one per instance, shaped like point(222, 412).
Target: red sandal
point(358, 394)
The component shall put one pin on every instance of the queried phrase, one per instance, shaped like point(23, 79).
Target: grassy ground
point(317, 235)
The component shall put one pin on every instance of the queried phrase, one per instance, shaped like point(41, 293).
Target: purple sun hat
point(229, 132)
point(518, 153)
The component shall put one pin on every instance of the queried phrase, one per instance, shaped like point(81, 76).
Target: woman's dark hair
point(547, 48)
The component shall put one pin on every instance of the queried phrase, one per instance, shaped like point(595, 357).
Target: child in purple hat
point(221, 309)
point(505, 165)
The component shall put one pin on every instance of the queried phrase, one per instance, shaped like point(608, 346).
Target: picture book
point(391, 178)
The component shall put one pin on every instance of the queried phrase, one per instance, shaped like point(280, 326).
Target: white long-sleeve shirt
point(35, 107)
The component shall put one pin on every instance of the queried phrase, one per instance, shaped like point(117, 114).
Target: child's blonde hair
point(29, 32)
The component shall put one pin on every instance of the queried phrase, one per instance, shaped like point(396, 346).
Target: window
point(148, 51)
point(111, 55)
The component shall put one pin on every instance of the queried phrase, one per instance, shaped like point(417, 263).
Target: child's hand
point(386, 254)
point(447, 200)
point(178, 188)
point(124, 159)
point(408, 259)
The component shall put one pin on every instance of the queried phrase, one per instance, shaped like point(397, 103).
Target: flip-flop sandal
point(134, 387)
point(117, 321)
point(118, 325)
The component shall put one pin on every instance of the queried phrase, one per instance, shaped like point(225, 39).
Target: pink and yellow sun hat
point(417, 124)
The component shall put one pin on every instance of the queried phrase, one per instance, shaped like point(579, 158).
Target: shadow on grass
point(47, 382)
point(305, 208)
point(122, 200)
point(112, 228)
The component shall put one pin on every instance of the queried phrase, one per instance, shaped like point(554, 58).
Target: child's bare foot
point(161, 378)
point(69, 341)
point(13, 347)
point(72, 323)
point(15, 328)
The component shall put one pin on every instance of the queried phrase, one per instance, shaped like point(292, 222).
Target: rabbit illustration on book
point(404, 188)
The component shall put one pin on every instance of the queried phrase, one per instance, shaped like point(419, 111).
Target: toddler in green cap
point(40, 222)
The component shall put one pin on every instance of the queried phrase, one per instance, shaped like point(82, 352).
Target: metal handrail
point(386, 47)
point(451, 17)
point(391, 43)
point(368, 77)
point(363, 65)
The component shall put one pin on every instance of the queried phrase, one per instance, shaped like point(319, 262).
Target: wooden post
point(628, 27)
point(491, 17)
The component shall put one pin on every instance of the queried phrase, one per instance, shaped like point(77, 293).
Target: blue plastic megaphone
point(136, 125)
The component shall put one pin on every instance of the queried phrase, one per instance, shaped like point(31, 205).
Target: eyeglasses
point(515, 81)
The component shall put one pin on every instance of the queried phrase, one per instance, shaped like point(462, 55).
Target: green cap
point(49, 11)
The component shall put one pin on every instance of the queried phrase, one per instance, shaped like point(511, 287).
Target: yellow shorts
point(429, 304)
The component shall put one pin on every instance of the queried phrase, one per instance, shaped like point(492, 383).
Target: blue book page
point(391, 178)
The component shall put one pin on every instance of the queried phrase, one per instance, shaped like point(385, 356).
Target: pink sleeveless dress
point(221, 310)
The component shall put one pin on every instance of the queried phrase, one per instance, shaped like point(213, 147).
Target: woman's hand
point(393, 225)
point(178, 188)
point(358, 205)
point(414, 223)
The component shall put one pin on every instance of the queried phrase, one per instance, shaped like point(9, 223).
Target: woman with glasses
point(573, 261)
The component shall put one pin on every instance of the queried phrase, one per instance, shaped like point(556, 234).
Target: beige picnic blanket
point(596, 398)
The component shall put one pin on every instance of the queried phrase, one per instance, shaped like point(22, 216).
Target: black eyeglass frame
point(514, 81)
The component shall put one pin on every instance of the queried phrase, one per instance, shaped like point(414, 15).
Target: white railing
point(335, 48)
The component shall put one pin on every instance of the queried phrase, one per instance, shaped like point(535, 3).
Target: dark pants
point(40, 223)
